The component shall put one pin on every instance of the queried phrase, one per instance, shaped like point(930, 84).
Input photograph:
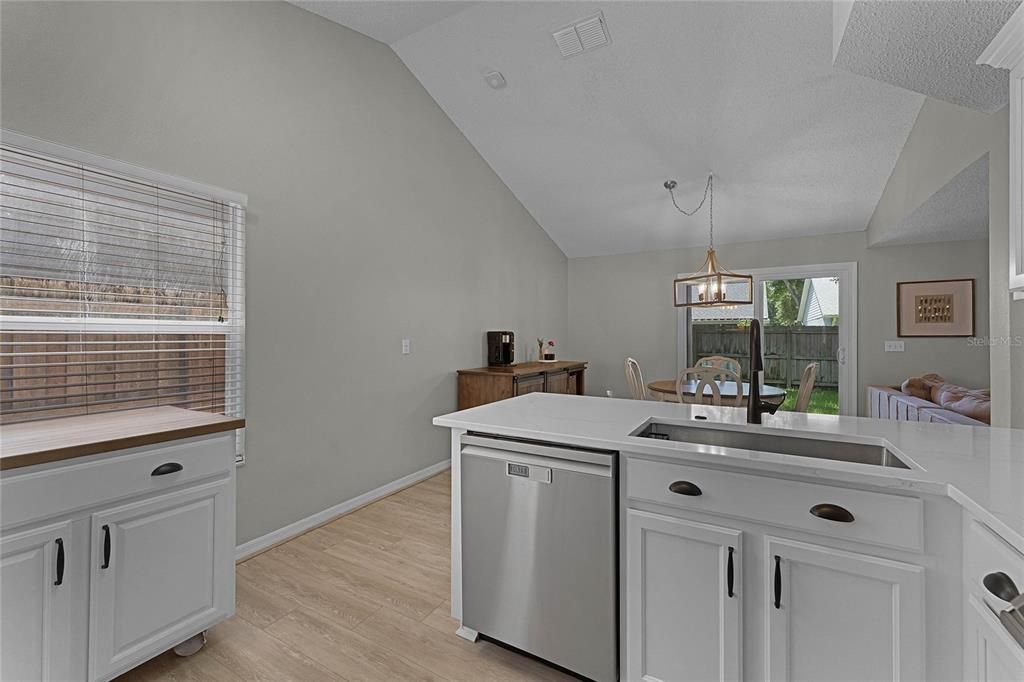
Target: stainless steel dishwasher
point(539, 550)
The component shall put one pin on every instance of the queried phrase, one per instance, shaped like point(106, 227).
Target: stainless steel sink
point(836, 451)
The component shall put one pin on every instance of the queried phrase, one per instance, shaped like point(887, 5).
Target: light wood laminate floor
point(365, 597)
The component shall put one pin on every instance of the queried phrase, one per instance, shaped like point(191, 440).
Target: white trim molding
point(292, 530)
point(1006, 51)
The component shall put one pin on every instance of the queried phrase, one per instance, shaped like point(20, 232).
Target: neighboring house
point(819, 303)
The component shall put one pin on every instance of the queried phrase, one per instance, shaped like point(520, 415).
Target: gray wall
point(371, 219)
point(622, 305)
point(945, 139)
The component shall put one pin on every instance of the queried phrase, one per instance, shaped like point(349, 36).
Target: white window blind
point(120, 288)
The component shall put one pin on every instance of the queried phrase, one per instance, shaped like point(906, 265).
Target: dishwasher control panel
point(531, 472)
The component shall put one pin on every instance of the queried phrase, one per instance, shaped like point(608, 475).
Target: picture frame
point(935, 308)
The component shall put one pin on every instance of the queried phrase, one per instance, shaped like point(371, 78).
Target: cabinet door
point(162, 571)
point(36, 609)
point(682, 622)
point(990, 653)
point(843, 615)
point(557, 382)
point(529, 384)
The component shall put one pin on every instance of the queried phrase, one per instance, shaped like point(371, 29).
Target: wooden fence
point(787, 350)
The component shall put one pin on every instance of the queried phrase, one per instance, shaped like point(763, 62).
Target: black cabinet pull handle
point(60, 562)
point(685, 488)
point(778, 583)
point(169, 468)
point(832, 512)
point(729, 574)
point(106, 547)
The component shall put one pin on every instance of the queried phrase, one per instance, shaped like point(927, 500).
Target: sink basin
point(836, 451)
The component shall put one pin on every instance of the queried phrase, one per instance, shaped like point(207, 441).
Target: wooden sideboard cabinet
point(489, 384)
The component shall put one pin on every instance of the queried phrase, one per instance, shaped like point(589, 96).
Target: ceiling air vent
point(582, 36)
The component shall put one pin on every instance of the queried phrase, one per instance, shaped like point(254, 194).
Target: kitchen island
point(745, 563)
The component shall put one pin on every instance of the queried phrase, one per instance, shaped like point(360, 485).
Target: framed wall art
point(935, 308)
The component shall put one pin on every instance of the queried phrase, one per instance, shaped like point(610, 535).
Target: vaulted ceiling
point(744, 90)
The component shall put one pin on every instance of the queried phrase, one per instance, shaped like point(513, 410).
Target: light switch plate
point(406, 347)
point(893, 346)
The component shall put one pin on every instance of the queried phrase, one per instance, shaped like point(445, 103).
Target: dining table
point(665, 390)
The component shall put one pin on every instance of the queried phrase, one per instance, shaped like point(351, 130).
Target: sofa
point(930, 398)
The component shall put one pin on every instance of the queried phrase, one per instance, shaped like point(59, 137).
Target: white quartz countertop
point(982, 468)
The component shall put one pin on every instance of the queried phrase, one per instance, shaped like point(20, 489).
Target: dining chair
point(721, 361)
point(709, 376)
point(803, 396)
point(635, 380)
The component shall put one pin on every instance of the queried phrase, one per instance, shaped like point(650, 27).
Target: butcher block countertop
point(51, 440)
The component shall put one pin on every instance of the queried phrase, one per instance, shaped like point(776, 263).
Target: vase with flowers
point(546, 350)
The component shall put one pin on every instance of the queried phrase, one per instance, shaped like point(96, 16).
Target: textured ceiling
point(383, 20)
point(957, 212)
point(929, 47)
point(746, 90)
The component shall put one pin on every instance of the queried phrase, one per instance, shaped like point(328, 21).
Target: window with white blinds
point(120, 288)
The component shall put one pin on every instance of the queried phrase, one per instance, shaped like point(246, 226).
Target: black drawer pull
point(60, 562)
point(729, 575)
point(1001, 585)
point(685, 488)
point(106, 547)
point(832, 512)
point(778, 582)
point(169, 468)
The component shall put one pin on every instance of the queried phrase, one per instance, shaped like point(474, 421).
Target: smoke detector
point(582, 36)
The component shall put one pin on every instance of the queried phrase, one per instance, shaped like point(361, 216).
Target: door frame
point(847, 272)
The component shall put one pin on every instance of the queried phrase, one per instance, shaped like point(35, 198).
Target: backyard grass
point(823, 400)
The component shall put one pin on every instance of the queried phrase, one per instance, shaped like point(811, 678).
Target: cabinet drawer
point(67, 488)
point(878, 518)
point(984, 553)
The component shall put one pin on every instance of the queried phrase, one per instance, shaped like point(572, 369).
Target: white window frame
point(847, 271)
point(112, 325)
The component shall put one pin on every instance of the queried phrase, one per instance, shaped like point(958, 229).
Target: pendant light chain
point(713, 285)
point(709, 191)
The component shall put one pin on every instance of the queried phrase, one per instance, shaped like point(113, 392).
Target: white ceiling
point(384, 20)
point(746, 90)
point(929, 47)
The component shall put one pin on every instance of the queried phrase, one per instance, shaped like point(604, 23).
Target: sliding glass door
point(808, 315)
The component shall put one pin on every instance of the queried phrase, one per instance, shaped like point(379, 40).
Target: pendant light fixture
point(712, 286)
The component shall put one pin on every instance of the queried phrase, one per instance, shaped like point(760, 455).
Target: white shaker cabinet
point(36, 590)
point(810, 608)
point(990, 654)
point(145, 535)
point(682, 600)
point(159, 572)
point(859, 617)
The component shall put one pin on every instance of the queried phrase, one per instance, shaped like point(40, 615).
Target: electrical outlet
point(893, 346)
point(406, 347)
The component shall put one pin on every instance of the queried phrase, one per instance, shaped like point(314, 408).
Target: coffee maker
point(501, 348)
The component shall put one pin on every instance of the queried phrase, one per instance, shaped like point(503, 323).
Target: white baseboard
point(257, 545)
